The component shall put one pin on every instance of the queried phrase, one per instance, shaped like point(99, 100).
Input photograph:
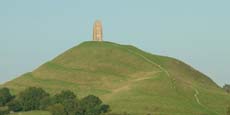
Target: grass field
point(32, 113)
point(128, 79)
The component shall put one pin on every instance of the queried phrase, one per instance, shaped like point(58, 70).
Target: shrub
point(90, 101)
point(64, 96)
point(14, 106)
point(45, 102)
point(92, 105)
point(5, 96)
point(65, 103)
point(71, 107)
point(30, 98)
point(105, 108)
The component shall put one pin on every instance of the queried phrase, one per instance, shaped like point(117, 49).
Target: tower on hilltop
point(97, 31)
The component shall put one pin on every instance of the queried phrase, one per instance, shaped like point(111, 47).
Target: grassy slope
point(129, 79)
point(32, 113)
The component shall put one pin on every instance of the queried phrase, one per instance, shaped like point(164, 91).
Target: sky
point(197, 32)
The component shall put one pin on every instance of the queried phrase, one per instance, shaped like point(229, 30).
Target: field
point(32, 113)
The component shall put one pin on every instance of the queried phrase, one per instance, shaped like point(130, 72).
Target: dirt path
point(129, 84)
point(167, 73)
point(163, 70)
point(198, 101)
point(196, 96)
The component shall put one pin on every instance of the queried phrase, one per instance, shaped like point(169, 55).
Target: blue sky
point(195, 31)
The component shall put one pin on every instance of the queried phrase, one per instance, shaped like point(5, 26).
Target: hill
point(128, 79)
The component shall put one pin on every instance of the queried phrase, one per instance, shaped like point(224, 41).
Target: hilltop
point(128, 79)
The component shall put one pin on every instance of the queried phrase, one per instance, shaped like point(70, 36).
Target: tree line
point(63, 103)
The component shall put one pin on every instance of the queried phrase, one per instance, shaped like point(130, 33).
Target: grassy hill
point(128, 79)
point(32, 113)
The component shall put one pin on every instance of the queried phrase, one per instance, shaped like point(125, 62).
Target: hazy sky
point(195, 31)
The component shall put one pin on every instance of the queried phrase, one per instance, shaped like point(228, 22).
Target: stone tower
point(97, 31)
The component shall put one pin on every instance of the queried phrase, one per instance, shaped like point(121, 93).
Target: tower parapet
point(97, 31)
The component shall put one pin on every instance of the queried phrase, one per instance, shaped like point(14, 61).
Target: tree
point(57, 109)
point(92, 105)
point(5, 96)
point(30, 98)
point(14, 106)
point(71, 107)
point(69, 101)
point(105, 108)
point(227, 88)
point(64, 96)
point(90, 101)
point(46, 102)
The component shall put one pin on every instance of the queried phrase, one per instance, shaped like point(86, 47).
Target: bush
point(45, 102)
point(57, 109)
point(31, 97)
point(5, 96)
point(64, 96)
point(105, 108)
point(65, 103)
point(92, 105)
point(14, 106)
point(71, 107)
point(90, 101)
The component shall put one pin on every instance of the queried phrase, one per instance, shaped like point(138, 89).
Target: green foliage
point(105, 108)
point(14, 105)
point(72, 107)
point(5, 96)
point(64, 103)
point(92, 105)
point(30, 98)
point(227, 88)
point(57, 109)
point(45, 102)
point(64, 96)
point(90, 101)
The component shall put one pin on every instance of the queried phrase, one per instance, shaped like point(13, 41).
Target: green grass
point(32, 113)
point(128, 79)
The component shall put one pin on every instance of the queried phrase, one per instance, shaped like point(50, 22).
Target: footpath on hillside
point(162, 70)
